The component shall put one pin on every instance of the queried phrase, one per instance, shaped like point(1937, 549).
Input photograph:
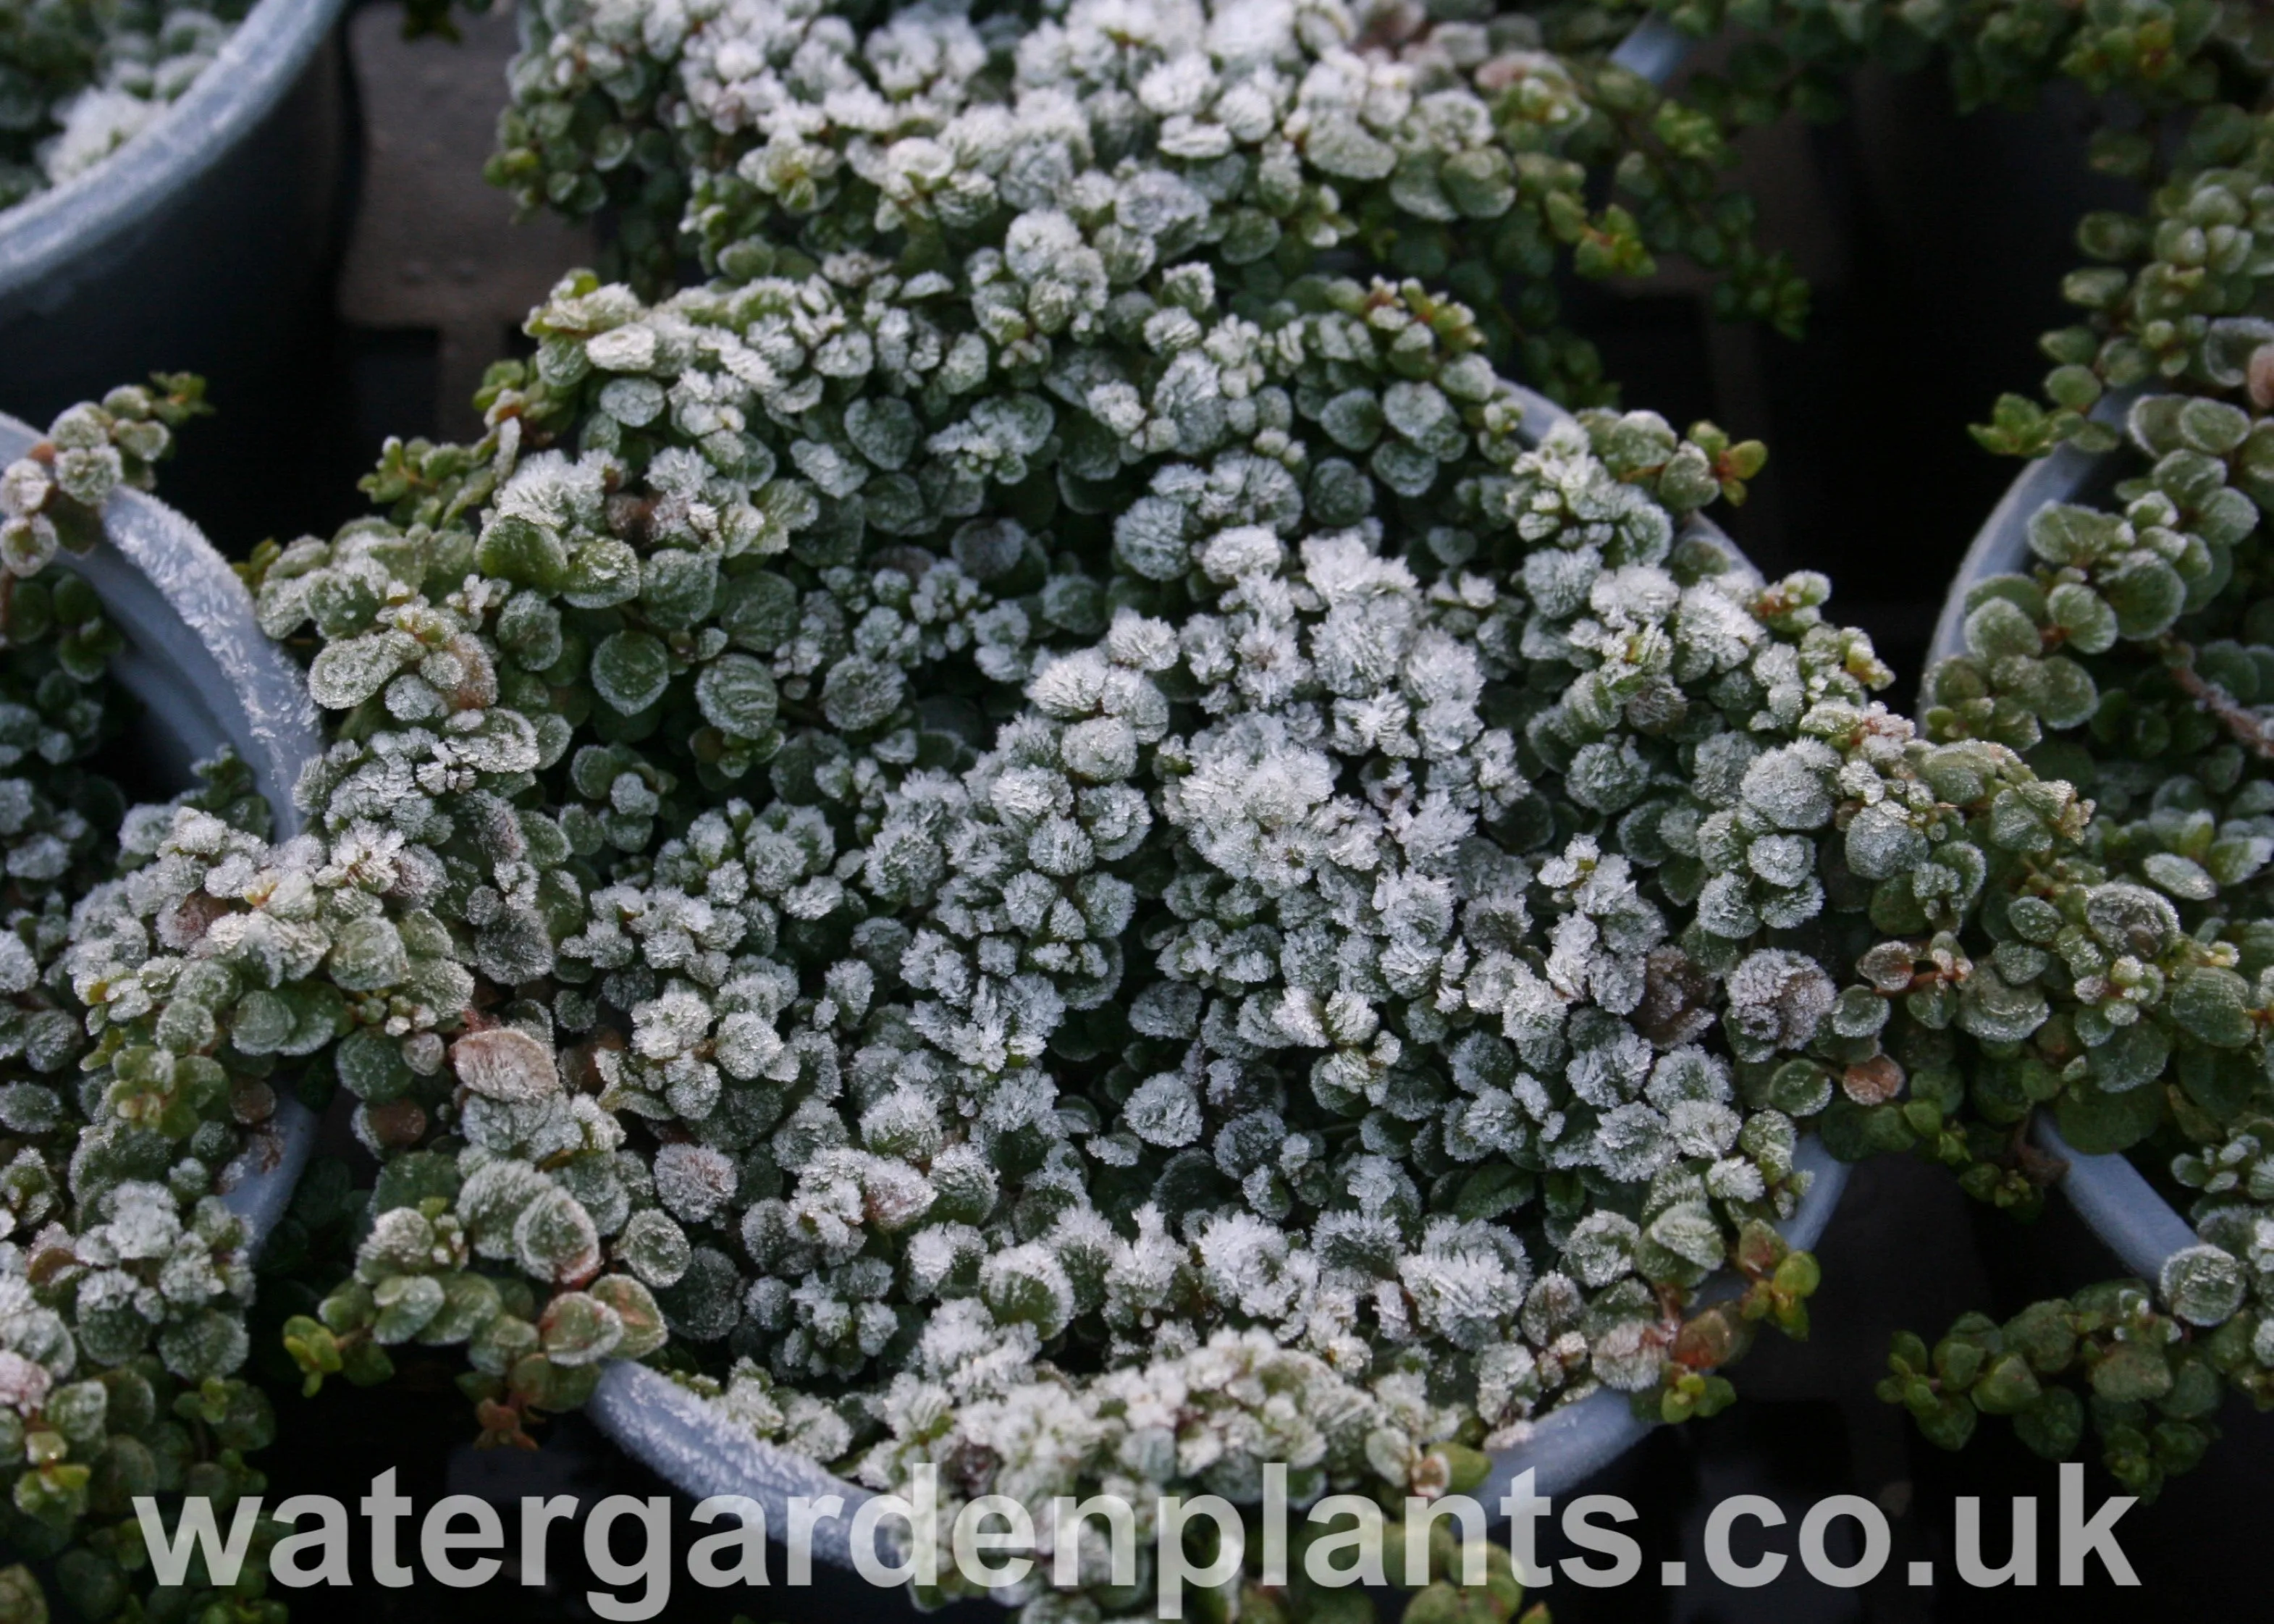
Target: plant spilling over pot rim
point(2134, 658)
point(124, 1274)
point(1363, 909)
point(742, 822)
point(879, 966)
point(939, 836)
point(80, 79)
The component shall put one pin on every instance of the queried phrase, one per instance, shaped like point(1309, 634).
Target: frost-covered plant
point(950, 929)
point(2132, 659)
point(2127, 661)
point(1265, 141)
point(1217, 1417)
point(998, 805)
point(875, 879)
point(80, 79)
point(1469, 148)
point(124, 1280)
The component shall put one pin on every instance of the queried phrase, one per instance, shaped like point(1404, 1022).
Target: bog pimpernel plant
point(124, 1279)
point(2132, 659)
point(1455, 145)
point(1048, 830)
point(79, 78)
point(1007, 840)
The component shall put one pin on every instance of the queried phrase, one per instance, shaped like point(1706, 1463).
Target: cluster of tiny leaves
point(834, 1038)
point(2139, 60)
point(995, 792)
point(79, 78)
point(1032, 780)
point(124, 1280)
point(2131, 660)
point(2124, 661)
point(785, 906)
point(2141, 1378)
point(1215, 1418)
point(1470, 148)
point(2170, 296)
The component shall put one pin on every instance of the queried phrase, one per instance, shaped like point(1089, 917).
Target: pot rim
point(2113, 1196)
point(200, 665)
point(260, 61)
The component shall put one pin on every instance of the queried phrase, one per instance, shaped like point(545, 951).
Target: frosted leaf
point(505, 1063)
point(1782, 859)
point(1688, 1073)
point(18, 969)
point(1103, 750)
point(1162, 1111)
point(578, 1329)
point(738, 696)
point(1149, 536)
point(1685, 1244)
point(1788, 784)
point(941, 1255)
point(633, 401)
point(204, 1346)
point(1166, 1009)
point(1243, 550)
point(696, 1182)
point(1417, 411)
point(884, 430)
point(678, 588)
point(1610, 778)
point(1881, 842)
point(1777, 998)
point(1719, 767)
point(1339, 145)
point(705, 1303)
point(603, 572)
point(1633, 1143)
point(2203, 1284)
point(2179, 877)
point(1353, 418)
point(986, 550)
point(345, 674)
point(23, 1384)
point(1601, 1247)
point(1610, 1070)
point(27, 544)
point(517, 548)
point(860, 693)
point(1027, 1285)
point(367, 954)
point(654, 1248)
point(630, 671)
point(629, 348)
point(554, 1240)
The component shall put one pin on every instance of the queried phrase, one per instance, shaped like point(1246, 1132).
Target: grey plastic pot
point(199, 244)
point(686, 1441)
point(205, 677)
point(2109, 1194)
point(1654, 49)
